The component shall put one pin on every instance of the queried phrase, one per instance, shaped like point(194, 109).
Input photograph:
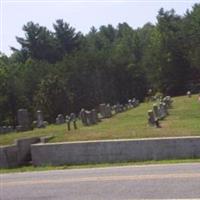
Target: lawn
point(184, 120)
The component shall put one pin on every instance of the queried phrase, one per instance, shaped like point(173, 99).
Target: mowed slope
point(184, 120)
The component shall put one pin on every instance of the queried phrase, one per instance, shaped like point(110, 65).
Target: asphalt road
point(114, 183)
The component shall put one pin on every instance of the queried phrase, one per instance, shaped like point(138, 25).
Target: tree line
point(62, 71)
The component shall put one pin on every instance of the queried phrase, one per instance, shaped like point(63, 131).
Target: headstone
point(40, 119)
point(117, 108)
point(102, 110)
point(98, 116)
point(135, 102)
point(83, 117)
point(46, 123)
point(126, 107)
point(94, 116)
point(60, 119)
point(73, 120)
point(156, 111)
point(108, 111)
point(34, 124)
point(130, 105)
point(168, 101)
point(10, 129)
point(5, 129)
point(88, 118)
point(23, 120)
point(114, 108)
point(120, 107)
point(152, 120)
point(162, 110)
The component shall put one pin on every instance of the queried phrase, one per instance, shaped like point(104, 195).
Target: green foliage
point(174, 66)
point(52, 97)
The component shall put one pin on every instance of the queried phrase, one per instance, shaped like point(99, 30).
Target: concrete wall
point(24, 149)
point(8, 156)
point(18, 153)
point(115, 151)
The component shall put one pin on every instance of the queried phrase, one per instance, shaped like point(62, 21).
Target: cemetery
point(113, 123)
point(162, 118)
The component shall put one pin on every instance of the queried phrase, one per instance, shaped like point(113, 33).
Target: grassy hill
point(184, 120)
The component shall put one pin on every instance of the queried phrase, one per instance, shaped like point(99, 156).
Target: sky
point(80, 14)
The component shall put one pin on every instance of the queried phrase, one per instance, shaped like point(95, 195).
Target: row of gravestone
point(87, 117)
point(24, 123)
point(92, 117)
point(159, 111)
point(6, 129)
point(159, 97)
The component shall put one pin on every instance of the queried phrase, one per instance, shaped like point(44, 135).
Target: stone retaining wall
point(18, 153)
point(8, 156)
point(110, 151)
point(24, 149)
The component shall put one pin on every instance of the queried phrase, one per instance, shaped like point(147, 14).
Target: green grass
point(184, 120)
point(83, 166)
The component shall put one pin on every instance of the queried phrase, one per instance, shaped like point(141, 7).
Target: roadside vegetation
point(47, 168)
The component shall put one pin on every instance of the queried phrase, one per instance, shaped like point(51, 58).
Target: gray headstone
point(10, 129)
point(72, 117)
point(102, 110)
point(83, 117)
point(156, 111)
point(168, 101)
point(125, 107)
point(4, 129)
point(108, 111)
point(115, 108)
point(23, 120)
point(40, 119)
point(73, 120)
point(135, 102)
point(162, 110)
point(130, 105)
point(46, 123)
point(152, 119)
point(88, 118)
point(67, 118)
point(60, 119)
point(118, 108)
point(95, 119)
